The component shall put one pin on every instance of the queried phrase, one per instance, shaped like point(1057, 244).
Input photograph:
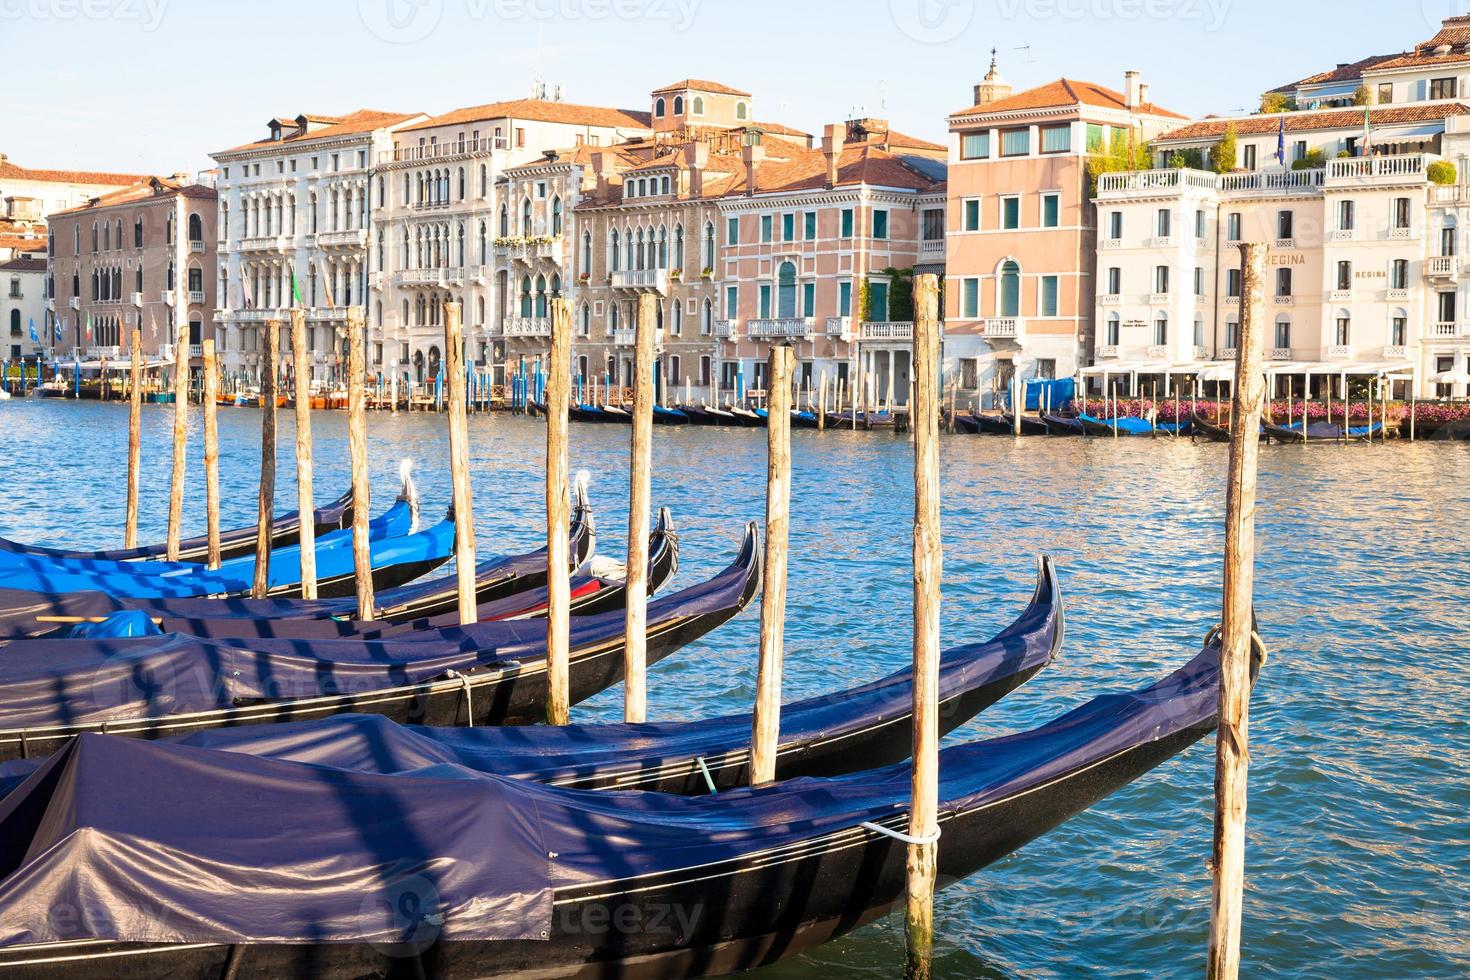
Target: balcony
point(1279, 354)
point(103, 353)
point(135, 299)
point(1285, 299)
point(839, 327)
point(1340, 352)
point(75, 302)
point(265, 243)
point(888, 330)
point(1228, 353)
point(931, 249)
point(1110, 299)
point(1157, 351)
point(1286, 243)
point(1442, 267)
point(421, 277)
point(353, 238)
point(795, 328)
point(1407, 168)
point(327, 314)
point(1340, 235)
point(435, 151)
point(1161, 241)
point(1108, 351)
point(1401, 234)
point(377, 280)
point(530, 249)
point(727, 329)
point(625, 338)
point(1340, 296)
point(526, 326)
point(1158, 299)
point(1396, 352)
point(166, 297)
point(1397, 295)
point(1444, 329)
point(1004, 326)
point(1110, 243)
point(196, 296)
point(642, 279)
point(196, 246)
point(1198, 353)
point(1154, 181)
point(196, 350)
point(1274, 182)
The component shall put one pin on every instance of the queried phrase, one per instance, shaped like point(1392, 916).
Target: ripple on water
point(1358, 860)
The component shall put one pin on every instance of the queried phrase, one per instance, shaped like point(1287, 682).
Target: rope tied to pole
point(897, 835)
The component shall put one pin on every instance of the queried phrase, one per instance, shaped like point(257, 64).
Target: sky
point(152, 86)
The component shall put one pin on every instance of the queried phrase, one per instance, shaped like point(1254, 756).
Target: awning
point(1397, 134)
point(1127, 367)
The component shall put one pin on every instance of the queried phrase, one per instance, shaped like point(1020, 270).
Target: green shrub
point(1441, 172)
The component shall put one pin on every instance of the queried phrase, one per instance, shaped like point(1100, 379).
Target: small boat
point(1062, 425)
point(1204, 427)
point(707, 415)
point(1321, 432)
point(162, 397)
point(803, 420)
point(479, 674)
point(669, 416)
point(1031, 425)
point(744, 418)
point(880, 420)
point(58, 388)
point(1129, 426)
point(995, 425)
point(4, 395)
point(588, 413)
point(772, 871)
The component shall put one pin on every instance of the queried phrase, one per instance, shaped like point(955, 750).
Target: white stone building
point(23, 305)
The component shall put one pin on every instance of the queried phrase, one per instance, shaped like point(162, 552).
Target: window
point(742, 111)
point(1345, 215)
point(1161, 329)
point(765, 301)
point(1199, 225)
point(808, 299)
point(1398, 331)
point(878, 300)
point(698, 105)
point(970, 298)
point(1049, 285)
point(788, 227)
point(1115, 225)
point(1009, 300)
point(1283, 282)
point(1284, 225)
point(658, 108)
point(880, 226)
point(1232, 226)
point(1161, 279)
point(732, 301)
point(1232, 332)
point(1344, 329)
point(1298, 150)
point(1095, 138)
point(1446, 307)
point(1447, 237)
point(765, 227)
point(1443, 88)
point(1199, 280)
point(1162, 222)
point(678, 105)
point(1051, 207)
point(844, 298)
point(1010, 213)
point(732, 231)
point(1056, 139)
point(970, 214)
point(1398, 274)
point(1385, 93)
point(847, 219)
point(1115, 281)
point(1114, 330)
point(1015, 142)
point(1401, 212)
point(1283, 333)
point(1250, 156)
point(1232, 283)
point(975, 146)
point(809, 226)
point(1344, 274)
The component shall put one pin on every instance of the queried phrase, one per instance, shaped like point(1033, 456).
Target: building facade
point(1021, 229)
point(141, 257)
point(22, 305)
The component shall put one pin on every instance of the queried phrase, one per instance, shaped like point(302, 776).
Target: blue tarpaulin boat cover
point(1051, 394)
point(129, 622)
point(149, 841)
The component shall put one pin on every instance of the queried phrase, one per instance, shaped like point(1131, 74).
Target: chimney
point(832, 143)
point(696, 156)
point(1143, 94)
point(752, 154)
point(1132, 83)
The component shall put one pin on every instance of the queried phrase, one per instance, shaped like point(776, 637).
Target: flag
point(245, 296)
point(34, 338)
point(296, 299)
point(326, 284)
point(89, 328)
point(1281, 141)
point(60, 322)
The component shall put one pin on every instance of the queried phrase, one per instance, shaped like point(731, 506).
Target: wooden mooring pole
point(181, 438)
point(301, 369)
point(928, 563)
point(635, 617)
point(266, 502)
point(362, 554)
point(1232, 755)
point(208, 395)
point(459, 462)
point(558, 518)
point(135, 438)
point(766, 721)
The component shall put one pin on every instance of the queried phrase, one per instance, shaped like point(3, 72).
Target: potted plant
point(707, 273)
point(676, 275)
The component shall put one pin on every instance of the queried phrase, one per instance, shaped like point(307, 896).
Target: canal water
point(1359, 844)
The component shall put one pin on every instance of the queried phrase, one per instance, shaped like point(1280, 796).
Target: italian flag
point(1367, 129)
point(296, 289)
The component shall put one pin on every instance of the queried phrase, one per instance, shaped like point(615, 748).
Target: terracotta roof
point(1342, 73)
point(861, 163)
point(1067, 92)
point(24, 264)
point(361, 121)
point(701, 85)
point(143, 191)
point(1308, 121)
point(12, 171)
point(540, 110)
point(779, 130)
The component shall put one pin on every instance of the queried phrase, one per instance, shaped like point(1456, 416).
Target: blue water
point(1359, 839)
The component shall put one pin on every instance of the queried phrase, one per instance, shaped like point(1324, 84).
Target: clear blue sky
point(154, 85)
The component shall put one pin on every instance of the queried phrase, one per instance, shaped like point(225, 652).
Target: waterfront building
point(1364, 274)
point(22, 304)
point(141, 256)
point(298, 201)
point(31, 194)
point(450, 224)
point(1019, 296)
point(1435, 70)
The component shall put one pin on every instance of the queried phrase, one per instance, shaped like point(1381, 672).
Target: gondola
point(669, 416)
point(590, 413)
point(397, 558)
point(1204, 427)
point(865, 726)
point(803, 420)
point(966, 423)
point(995, 425)
point(1321, 432)
point(702, 415)
point(30, 614)
point(1129, 426)
point(233, 543)
point(483, 673)
point(1063, 425)
point(744, 418)
point(1031, 425)
point(700, 886)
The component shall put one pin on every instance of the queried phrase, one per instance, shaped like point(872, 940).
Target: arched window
point(786, 291)
point(460, 243)
point(615, 253)
point(678, 246)
point(405, 313)
point(484, 180)
point(638, 262)
point(461, 183)
point(658, 108)
point(698, 105)
point(707, 252)
point(612, 317)
point(196, 230)
point(741, 110)
point(1115, 324)
point(555, 285)
point(663, 248)
point(1010, 290)
point(504, 221)
point(665, 185)
point(484, 244)
point(1199, 330)
point(678, 105)
point(586, 263)
point(677, 327)
point(584, 327)
point(556, 215)
point(480, 310)
point(1161, 328)
point(1344, 331)
point(526, 218)
point(526, 296)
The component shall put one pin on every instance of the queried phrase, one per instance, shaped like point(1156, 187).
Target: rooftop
point(1317, 120)
point(359, 121)
point(541, 110)
point(701, 85)
point(147, 189)
point(13, 171)
point(1064, 93)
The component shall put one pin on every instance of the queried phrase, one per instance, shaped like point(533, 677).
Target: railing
point(376, 280)
point(1111, 243)
point(1110, 299)
point(1285, 299)
point(1449, 194)
point(1004, 326)
point(1444, 329)
point(1340, 296)
point(355, 237)
point(1107, 350)
point(1442, 265)
point(1275, 180)
point(727, 329)
point(1279, 354)
point(1286, 243)
point(1363, 168)
point(1158, 299)
point(331, 314)
point(655, 279)
point(196, 246)
point(1155, 180)
point(196, 350)
point(196, 296)
point(1198, 352)
point(263, 243)
point(107, 302)
point(1396, 352)
point(794, 327)
point(421, 277)
point(75, 302)
point(888, 330)
point(433, 151)
point(1397, 294)
point(100, 353)
point(1157, 351)
point(1161, 241)
point(1340, 352)
point(931, 248)
point(1340, 235)
point(1401, 234)
point(625, 338)
point(1228, 353)
point(840, 327)
point(526, 326)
